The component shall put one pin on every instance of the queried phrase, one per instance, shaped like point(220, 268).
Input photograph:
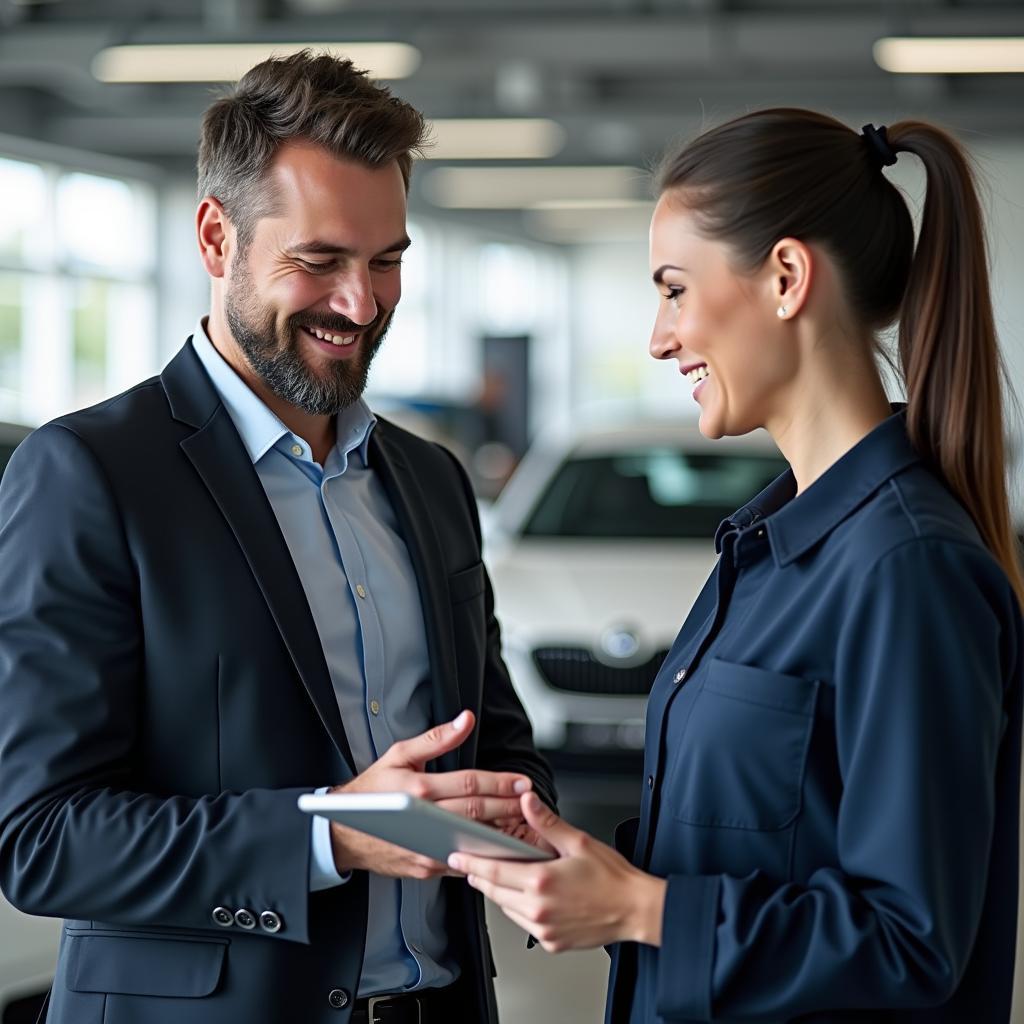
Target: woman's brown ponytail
point(947, 343)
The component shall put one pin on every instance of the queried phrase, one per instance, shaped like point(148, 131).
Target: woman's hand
point(590, 896)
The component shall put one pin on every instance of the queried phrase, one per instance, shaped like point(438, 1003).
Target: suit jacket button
point(223, 917)
point(338, 998)
point(270, 922)
point(245, 919)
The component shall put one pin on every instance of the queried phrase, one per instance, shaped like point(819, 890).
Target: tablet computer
point(418, 825)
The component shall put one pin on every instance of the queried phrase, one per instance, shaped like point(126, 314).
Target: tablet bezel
point(418, 825)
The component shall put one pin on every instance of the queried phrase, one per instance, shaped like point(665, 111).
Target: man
point(232, 585)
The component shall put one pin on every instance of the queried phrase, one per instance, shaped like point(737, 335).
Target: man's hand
point(480, 795)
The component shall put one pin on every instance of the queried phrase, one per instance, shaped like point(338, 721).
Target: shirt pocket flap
point(138, 966)
point(466, 584)
point(759, 686)
point(742, 759)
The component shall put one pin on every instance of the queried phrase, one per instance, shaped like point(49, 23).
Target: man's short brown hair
point(304, 97)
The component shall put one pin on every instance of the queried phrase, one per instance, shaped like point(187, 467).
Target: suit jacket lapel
point(217, 453)
point(415, 519)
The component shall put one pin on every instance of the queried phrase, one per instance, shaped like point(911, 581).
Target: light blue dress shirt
point(355, 569)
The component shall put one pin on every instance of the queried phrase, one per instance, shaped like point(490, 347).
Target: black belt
point(424, 1007)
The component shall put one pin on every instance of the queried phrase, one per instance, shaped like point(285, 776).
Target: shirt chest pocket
point(742, 757)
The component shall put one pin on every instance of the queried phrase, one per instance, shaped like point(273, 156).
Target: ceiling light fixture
point(506, 138)
point(950, 56)
point(227, 62)
point(516, 188)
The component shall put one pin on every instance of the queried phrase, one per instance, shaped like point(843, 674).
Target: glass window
point(24, 234)
point(102, 224)
point(12, 303)
point(507, 289)
point(77, 292)
point(90, 328)
point(656, 493)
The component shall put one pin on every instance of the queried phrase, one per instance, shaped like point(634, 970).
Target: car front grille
point(576, 670)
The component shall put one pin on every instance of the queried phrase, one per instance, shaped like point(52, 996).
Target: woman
point(829, 815)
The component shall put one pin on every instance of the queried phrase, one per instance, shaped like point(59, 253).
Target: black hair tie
point(878, 141)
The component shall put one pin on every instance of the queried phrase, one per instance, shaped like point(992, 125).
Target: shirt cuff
point(687, 954)
point(322, 872)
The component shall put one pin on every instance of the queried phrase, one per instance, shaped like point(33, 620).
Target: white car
point(598, 546)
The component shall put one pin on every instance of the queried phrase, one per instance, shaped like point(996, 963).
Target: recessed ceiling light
point(950, 56)
point(227, 62)
point(506, 138)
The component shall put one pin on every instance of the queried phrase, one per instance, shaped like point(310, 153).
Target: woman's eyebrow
point(660, 272)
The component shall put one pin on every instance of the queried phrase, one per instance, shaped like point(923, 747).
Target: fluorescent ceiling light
point(516, 188)
point(508, 138)
point(227, 62)
point(948, 56)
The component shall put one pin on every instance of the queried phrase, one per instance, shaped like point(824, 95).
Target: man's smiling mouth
point(334, 339)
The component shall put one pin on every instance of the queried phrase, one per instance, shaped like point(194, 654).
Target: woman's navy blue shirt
point(833, 762)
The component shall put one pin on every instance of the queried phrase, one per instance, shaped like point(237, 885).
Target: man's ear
point(791, 266)
point(216, 236)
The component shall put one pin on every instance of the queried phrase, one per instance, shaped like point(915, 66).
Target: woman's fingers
point(557, 834)
point(508, 874)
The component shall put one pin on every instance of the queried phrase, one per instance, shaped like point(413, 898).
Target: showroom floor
point(535, 987)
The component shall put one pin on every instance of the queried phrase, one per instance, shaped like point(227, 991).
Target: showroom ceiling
point(619, 78)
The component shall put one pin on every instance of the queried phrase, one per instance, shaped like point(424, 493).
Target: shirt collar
point(795, 523)
point(257, 426)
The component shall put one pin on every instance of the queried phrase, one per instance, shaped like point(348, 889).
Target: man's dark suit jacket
point(164, 700)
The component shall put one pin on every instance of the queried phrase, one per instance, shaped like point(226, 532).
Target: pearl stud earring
point(782, 312)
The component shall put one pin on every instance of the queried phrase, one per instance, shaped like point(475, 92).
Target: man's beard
point(278, 361)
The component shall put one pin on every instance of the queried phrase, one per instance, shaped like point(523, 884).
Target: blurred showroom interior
point(527, 301)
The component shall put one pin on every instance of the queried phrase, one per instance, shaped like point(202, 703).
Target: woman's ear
point(791, 266)
point(215, 236)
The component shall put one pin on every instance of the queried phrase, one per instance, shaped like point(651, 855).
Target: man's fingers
point(470, 783)
point(483, 808)
point(431, 744)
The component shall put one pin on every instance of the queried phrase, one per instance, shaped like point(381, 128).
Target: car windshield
point(653, 492)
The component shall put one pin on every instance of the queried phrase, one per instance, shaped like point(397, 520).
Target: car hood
point(567, 593)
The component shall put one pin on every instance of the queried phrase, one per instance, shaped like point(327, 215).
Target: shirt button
point(679, 676)
point(650, 782)
point(375, 707)
point(296, 449)
point(360, 590)
point(338, 998)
